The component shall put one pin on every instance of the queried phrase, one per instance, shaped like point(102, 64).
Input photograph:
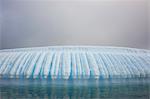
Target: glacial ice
point(74, 62)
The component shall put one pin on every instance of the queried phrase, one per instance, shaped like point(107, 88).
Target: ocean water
point(138, 88)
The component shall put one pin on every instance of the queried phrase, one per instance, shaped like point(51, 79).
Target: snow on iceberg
point(74, 62)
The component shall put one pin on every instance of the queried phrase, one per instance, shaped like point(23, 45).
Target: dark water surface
point(75, 89)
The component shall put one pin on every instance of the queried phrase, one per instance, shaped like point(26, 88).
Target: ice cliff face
point(74, 62)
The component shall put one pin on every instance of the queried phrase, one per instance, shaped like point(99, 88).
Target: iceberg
point(74, 62)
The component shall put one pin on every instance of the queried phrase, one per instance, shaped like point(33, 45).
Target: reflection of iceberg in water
point(77, 89)
point(72, 62)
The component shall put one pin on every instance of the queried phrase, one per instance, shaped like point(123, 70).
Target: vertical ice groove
point(93, 65)
point(115, 65)
point(16, 64)
point(138, 64)
point(66, 65)
point(3, 58)
point(24, 65)
point(124, 66)
point(111, 66)
point(21, 64)
point(128, 65)
point(10, 64)
point(102, 68)
point(78, 63)
point(55, 65)
point(85, 65)
point(121, 69)
point(107, 65)
point(145, 64)
point(74, 66)
point(133, 66)
point(48, 64)
point(5, 64)
point(38, 65)
point(32, 65)
point(67, 62)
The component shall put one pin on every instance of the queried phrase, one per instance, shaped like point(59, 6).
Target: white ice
point(74, 62)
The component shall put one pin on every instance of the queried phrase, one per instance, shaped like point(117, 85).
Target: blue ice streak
point(74, 62)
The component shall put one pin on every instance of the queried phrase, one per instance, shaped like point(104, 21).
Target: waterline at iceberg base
point(138, 88)
point(74, 62)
